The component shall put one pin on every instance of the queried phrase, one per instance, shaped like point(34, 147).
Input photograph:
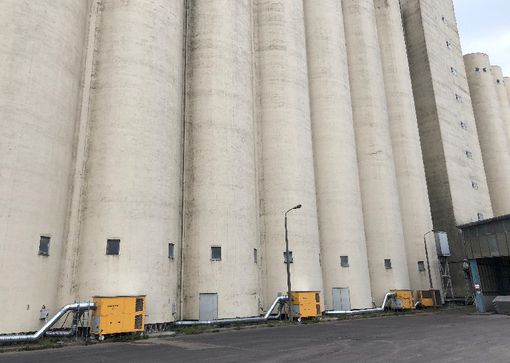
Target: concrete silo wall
point(133, 171)
point(381, 209)
point(412, 185)
point(41, 46)
point(503, 99)
point(221, 199)
point(286, 142)
point(490, 126)
point(338, 193)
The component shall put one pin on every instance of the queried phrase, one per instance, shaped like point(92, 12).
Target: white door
point(341, 299)
point(208, 306)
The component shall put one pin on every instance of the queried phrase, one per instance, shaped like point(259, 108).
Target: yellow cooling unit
point(118, 314)
point(306, 304)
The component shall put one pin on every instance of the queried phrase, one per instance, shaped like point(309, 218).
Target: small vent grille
point(138, 321)
point(139, 305)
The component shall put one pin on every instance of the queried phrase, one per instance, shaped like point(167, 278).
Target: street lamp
point(287, 260)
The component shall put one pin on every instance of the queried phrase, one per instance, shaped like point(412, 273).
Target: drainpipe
point(40, 333)
point(256, 319)
point(362, 311)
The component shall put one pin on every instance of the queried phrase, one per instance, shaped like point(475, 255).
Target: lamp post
point(287, 261)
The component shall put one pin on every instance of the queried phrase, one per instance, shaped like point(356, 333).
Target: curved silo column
point(490, 126)
point(131, 209)
point(343, 246)
point(504, 103)
point(221, 188)
point(383, 224)
point(405, 138)
point(41, 48)
point(507, 124)
point(286, 141)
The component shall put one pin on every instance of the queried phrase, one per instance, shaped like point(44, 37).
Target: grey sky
point(484, 27)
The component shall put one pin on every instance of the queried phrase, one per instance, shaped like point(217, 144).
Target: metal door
point(341, 299)
point(208, 307)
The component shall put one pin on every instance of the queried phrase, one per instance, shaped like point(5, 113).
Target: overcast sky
point(484, 26)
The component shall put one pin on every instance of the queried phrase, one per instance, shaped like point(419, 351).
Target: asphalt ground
point(446, 336)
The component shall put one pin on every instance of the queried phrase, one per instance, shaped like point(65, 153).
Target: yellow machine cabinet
point(403, 300)
point(118, 314)
point(429, 298)
point(306, 304)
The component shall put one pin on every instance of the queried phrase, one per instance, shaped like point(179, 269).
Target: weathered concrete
point(341, 223)
point(379, 193)
point(133, 170)
point(221, 199)
point(286, 142)
point(458, 191)
point(41, 48)
point(412, 185)
point(490, 125)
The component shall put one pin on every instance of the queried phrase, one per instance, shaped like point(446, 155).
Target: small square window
point(113, 247)
point(458, 98)
point(344, 261)
point(498, 81)
point(463, 125)
point(216, 253)
point(255, 257)
point(474, 185)
point(44, 246)
point(485, 69)
point(469, 154)
point(387, 263)
point(453, 71)
point(288, 260)
point(477, 69)
point(449, 44)
point(480, 216)
point(421, 266)
point(171, 250)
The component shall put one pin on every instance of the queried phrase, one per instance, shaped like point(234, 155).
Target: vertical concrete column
point(133, 171)
point(383, 222)
point(507, 123)
point(405, 138)
point(221, 199)
point(503, 99)
point(41, 48)
point(336, 167)
point(287, 155)
point(490, 126)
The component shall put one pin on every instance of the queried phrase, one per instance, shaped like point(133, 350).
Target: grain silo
point(490, 126)
point(343, 246)
point(412, 185)
point(286, 142)
point(221, 231)
point(504, 102)
point(130, 235)
point(383, 225)
point(41, 47)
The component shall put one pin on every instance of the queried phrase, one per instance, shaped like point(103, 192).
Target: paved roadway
point(451, 336)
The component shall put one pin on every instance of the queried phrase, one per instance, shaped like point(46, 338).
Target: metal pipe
point(362, 311)
point(254, 319)
point(39, 334)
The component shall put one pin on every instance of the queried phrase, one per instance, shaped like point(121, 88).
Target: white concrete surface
point(221, 199)
point(133, 169)
point(405, 138)
point(286, 142)
point(41, 47)
point(341, 223)
point(379, 191)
